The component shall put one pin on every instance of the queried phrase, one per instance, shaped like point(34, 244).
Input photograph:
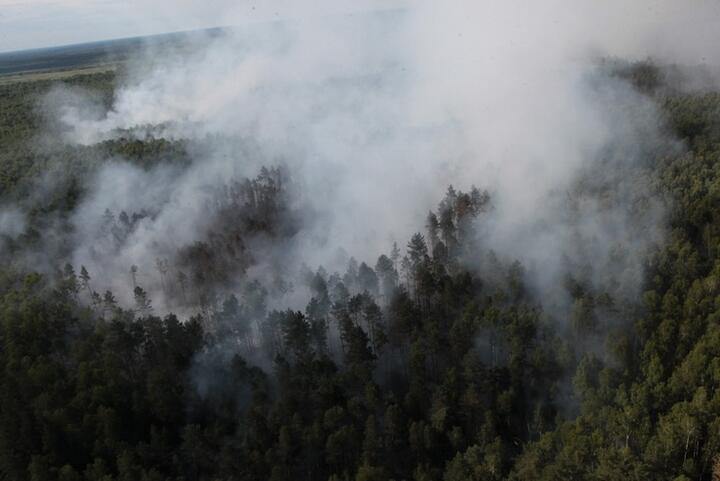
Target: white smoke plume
point(375, 112)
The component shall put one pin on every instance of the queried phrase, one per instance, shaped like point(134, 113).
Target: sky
point(26, 24)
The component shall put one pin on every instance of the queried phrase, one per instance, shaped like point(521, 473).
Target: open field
point(63, 74)
point(66, 61)
point(67, 58)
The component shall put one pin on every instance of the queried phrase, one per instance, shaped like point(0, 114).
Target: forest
point(417, 365)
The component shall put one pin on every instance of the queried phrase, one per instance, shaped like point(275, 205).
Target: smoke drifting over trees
point(374, 114)
point(467, 240)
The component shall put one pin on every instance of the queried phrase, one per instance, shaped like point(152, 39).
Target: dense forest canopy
point(263, 258)
point(414, 365)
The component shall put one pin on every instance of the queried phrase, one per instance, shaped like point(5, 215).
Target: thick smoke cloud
point(374, 113)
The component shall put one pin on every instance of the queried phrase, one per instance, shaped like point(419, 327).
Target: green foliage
point(416, 368)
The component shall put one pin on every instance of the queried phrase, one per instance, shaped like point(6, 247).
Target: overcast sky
point(44, 23)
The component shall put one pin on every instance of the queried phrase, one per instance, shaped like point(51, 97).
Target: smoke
point(375, 112)
point(12, 224)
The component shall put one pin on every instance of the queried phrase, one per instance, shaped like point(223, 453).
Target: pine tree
point(85, 280)
point(109, 303)
point(142, 302)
